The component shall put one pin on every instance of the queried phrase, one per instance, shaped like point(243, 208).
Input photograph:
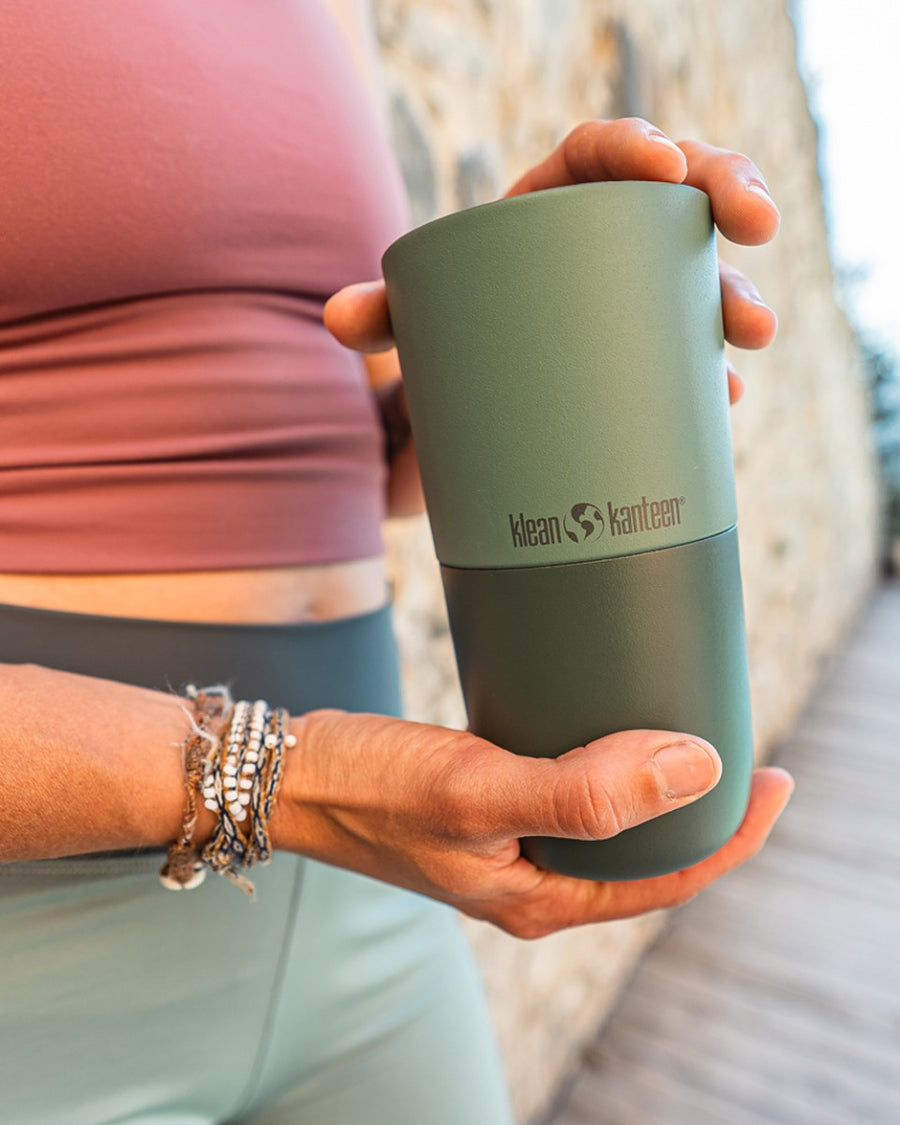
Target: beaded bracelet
point(238, 778)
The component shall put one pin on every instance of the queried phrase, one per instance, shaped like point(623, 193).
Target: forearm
point(87, 765)
point(90, 765)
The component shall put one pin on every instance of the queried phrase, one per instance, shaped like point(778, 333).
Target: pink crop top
point(182, 185)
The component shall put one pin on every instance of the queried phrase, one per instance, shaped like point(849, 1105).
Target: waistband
point(350, 663)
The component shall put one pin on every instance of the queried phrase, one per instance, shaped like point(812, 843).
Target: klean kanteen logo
point(585, 522)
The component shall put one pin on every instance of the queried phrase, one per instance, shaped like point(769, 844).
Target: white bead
point(231, 795)
point(252, 756)
point(254, 745)
point(248, 767)
point(208, 791)
point(271, 741)
point(290, 740)
point(242, 815)
point(211, 805)
point(196, 879)
point(243, 798)
point(246, 783)
point(229, 770)
point(235, 808)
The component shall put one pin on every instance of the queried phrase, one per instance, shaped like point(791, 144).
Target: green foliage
point(884, 390)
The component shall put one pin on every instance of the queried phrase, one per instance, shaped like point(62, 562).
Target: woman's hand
point(441, 812)
point(627, 149)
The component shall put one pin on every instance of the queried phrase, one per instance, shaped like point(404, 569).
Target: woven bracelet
point(183, 869)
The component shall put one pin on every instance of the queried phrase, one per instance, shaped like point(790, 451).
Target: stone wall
point(480, 89)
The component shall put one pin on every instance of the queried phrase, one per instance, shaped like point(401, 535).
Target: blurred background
point(480, 89)
point(847, 58)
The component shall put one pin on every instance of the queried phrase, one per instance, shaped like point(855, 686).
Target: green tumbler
point(564, 365)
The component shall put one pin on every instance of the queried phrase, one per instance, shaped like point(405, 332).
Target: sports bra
point(182, 186)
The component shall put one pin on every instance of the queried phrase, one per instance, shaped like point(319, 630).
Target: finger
point(742, 208)
point(592, 792)
point(357, 316)
point(627, 149)
point(771, 790)
point(736, 386)
point(544, 902)
point(747, 319)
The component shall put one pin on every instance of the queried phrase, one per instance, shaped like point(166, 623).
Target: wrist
point(395, 423)
point(232, 767)
point(314, 785)
point(157, 774)
point(285, 824)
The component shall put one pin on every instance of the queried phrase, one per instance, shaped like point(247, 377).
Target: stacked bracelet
point(238, 778)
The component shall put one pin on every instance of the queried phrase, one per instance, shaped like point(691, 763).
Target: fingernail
point(752, 295)
point(365, 287)
point(762, 191)
point(688, 769)
point(662, 139)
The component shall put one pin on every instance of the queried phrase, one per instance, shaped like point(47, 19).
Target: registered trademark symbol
point(680, 499)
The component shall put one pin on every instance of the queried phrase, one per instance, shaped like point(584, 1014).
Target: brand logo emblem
point(585, 522)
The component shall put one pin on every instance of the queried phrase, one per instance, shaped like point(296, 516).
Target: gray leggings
point(331, 999)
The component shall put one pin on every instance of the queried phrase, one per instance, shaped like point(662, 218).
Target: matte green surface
point(553, 657)
point(564, 349)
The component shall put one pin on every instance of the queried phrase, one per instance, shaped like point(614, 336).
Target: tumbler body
point(564, 366)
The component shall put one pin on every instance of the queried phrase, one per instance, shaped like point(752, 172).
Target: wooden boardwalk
point(774, 998)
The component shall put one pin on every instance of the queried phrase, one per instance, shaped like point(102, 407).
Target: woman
point(192, 491)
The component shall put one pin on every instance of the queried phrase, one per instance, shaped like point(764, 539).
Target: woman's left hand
point(625, 149)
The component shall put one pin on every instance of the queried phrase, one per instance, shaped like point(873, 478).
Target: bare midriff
point(267, 596)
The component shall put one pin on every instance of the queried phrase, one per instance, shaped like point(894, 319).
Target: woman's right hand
point(441, 812)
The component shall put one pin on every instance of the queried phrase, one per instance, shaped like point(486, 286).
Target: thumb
point(613, 783)
point(357, 316)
